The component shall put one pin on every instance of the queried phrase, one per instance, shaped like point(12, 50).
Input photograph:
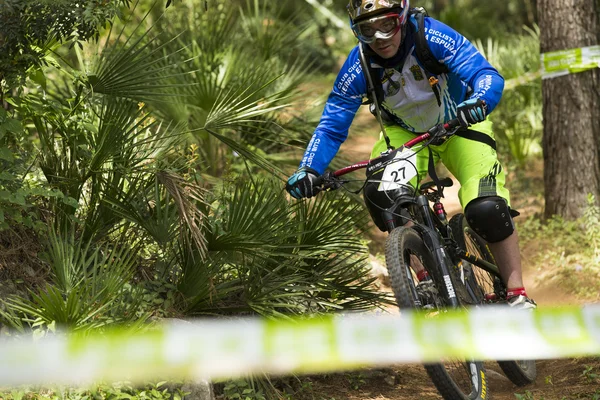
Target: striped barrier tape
point(564, 62)
point(210, 349)
point(560, 63)
point(522, 80)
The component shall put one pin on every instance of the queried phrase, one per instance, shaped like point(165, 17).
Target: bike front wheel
point(406, 255)
point(489, 288)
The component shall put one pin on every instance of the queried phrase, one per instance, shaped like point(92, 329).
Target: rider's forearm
point(321, 149)
point(488, 86)
point(331, 132)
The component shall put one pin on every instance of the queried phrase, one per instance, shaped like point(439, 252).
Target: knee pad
point(491, 218)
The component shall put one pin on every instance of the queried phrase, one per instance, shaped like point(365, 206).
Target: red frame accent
point(409, 144)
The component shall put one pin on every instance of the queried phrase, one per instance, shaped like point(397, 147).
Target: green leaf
point(70, 201)
point(6, 154)
point(38, 77)
point(7, 176)
point(11, 125)
point(18, 198)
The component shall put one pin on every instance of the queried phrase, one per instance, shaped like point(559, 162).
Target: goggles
point(381, 27)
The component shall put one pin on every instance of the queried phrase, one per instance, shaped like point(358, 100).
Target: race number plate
point(400, 171)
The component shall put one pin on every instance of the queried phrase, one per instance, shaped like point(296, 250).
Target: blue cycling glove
point(300, 184)
point(471, 111)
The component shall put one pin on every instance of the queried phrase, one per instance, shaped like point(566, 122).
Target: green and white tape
point(522, 80)
point(212, 349)
point(564, 62)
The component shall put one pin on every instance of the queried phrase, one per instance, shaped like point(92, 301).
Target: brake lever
point(327, 181)
point(438, 134)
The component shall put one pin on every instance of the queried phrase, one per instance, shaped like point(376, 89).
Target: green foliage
point(155, 226)
point(276, 258)
point(242, 389)
point(89, 289)
point(518, 117)
point(591, 218)
point(31, 28)
point(19, 189)
point(230, 95)
point(116, 391)
point(526, 396)
point(569, 250)
point(590, 374)
point(108, 139)
point(479, 20)
point(356, 380)
point(263, 387)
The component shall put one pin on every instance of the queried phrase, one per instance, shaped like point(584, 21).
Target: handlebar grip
point(453, 123)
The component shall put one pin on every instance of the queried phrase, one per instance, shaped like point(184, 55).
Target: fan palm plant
point(87, 290)
point(279, 258)
point(118, 147)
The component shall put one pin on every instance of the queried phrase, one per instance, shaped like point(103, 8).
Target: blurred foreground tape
point(564, 62)
point(228, 348)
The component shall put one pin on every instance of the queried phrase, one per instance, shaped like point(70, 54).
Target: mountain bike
point(433, 263)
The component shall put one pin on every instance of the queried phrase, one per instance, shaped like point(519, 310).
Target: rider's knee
point(491, 218)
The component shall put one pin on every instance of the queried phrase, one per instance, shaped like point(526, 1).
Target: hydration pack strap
point(467, 134)
point(375, 91)
point(477, 136)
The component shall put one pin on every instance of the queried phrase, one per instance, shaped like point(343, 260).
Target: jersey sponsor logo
point(311, 151)
point(417, 72)
point(349, 77)
point(484, 85)
point(393, 86)
point(438, 37)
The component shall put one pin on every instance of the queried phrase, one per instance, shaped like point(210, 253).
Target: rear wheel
point(406, 253)
point(489, 288)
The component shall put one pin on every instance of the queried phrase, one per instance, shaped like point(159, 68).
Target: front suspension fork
point(441, 257)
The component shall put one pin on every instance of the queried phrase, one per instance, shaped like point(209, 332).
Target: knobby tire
point(520, 372)
point(400, 244)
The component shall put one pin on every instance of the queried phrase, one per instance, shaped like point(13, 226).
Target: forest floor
point(556, 379)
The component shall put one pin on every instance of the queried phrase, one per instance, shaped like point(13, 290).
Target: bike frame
point(435, 230)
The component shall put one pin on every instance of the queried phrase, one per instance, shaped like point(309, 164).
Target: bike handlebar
point(441, 130)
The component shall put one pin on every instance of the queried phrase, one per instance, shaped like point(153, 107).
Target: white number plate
point(400, 171)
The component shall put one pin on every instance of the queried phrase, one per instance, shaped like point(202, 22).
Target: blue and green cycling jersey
point(408, 95)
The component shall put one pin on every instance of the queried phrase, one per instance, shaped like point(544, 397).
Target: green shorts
point(474, 164)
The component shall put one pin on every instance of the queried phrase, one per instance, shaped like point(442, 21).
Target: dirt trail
point(557, 379)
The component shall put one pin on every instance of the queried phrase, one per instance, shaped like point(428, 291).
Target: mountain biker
point(414, 100)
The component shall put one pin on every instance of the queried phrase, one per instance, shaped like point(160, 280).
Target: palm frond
point(137, 68)
point(270, 32)
point(241, 104)
point(148, 206)
point(89, 279)
point(270, 257)
point(187, 197)
point(247, 152)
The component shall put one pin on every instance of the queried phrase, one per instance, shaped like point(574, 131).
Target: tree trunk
point(571, 140)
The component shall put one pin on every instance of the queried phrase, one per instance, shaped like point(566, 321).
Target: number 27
point(396, 174)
